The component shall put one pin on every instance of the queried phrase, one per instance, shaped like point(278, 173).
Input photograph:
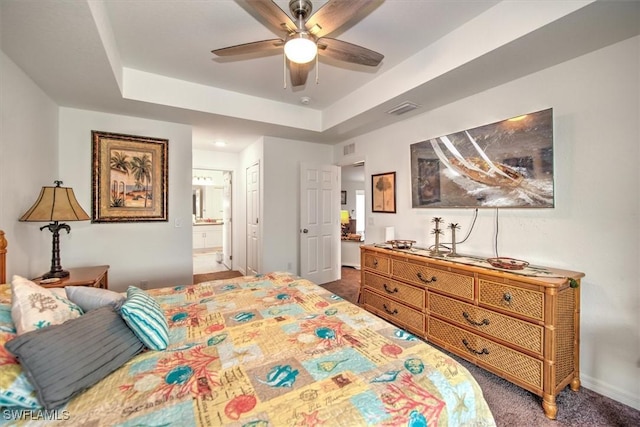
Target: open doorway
point(211, 217)
point(352, 214)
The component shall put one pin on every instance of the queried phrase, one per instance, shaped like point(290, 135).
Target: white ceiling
point(153, 59)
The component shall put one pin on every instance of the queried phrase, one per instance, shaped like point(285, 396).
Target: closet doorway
point(212, 218)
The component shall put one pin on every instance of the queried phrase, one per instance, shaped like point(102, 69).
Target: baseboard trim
point(610, 391)
point(356, 266)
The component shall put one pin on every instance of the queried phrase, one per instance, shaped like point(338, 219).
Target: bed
point(271, 350)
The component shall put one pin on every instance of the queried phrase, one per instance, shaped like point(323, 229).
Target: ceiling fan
point(305, 37)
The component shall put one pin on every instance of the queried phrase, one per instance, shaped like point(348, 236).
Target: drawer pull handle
point(473, 322)
point(507, 298)
point(394, 312)
point(433, 278)
point(375, 262)
point(473, 350)
point(390, 291)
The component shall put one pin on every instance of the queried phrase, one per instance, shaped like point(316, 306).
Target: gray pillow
point(90, 298)
point(61, 361)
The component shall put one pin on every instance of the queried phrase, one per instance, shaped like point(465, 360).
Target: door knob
point(305, 231)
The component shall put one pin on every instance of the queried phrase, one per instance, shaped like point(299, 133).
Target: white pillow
point(34, 307)
point(59, 292)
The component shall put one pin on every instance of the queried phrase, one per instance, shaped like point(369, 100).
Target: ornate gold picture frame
point(129, 178)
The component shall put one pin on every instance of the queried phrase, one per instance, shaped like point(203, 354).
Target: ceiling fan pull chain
point(317, 69)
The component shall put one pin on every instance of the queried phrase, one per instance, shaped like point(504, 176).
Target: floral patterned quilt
point(277, 350)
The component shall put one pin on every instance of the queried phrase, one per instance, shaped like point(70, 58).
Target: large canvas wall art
point(507, 164)
point(129, 178)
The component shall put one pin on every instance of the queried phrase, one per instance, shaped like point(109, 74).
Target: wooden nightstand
point(83, 276)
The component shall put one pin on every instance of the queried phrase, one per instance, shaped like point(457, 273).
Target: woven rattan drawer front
point(452, 283)
point(565, 334)
point(523, 334)
point(379, 263)
point(506, 361)
point(394, 312)
point(511, 298)
point(410, 295)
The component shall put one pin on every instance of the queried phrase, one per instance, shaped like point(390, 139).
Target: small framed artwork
point(383, 192)
point(129, 178)
point(343, 197)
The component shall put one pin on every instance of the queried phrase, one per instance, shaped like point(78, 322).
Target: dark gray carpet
point(514, 406)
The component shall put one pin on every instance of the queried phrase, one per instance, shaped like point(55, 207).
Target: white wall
point(28, 153)
point(281, 191)
point(219, 160)
point(156, 252)
point(594, 226)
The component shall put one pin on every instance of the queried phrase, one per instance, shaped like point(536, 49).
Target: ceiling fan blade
point(270, 14)
point(241, 49)
point(338, 49)
point(336, 13)
point(299, 72)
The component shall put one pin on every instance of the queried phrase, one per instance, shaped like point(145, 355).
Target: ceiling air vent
point(349, 149)
point(405, 107)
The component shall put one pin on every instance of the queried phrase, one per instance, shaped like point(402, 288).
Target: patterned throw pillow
point(145, 318)
point(15, 388)
point(34, 307)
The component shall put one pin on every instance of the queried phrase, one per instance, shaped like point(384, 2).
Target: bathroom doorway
point(352, 215)
point(211, 217)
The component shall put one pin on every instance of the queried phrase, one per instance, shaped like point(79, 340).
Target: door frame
point(227, 244)
point(349, 160)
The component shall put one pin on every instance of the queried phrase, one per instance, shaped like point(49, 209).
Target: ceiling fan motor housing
point(300, 9)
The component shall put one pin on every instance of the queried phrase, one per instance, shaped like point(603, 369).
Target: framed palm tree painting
point(129, 178)
point(383, 192)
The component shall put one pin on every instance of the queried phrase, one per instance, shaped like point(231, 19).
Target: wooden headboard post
point(3, 258)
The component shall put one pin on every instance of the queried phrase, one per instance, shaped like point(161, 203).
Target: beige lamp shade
point(55, 204)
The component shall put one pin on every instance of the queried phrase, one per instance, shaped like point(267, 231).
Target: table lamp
point(55, 204)
point(344, 217)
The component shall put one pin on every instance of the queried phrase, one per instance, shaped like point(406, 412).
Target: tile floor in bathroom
point(205, 262)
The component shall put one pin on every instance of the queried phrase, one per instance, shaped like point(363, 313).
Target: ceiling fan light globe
point(300, 49)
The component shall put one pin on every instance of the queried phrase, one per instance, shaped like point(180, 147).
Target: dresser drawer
point(405, 293)
point(513, 299)
point(394, 312)
point(511, 364)
point(460, 285)
point(525, 335)
point(379, 263)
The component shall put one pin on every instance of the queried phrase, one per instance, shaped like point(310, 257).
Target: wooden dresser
point(524, 329)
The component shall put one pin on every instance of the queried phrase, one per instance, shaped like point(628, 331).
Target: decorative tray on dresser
point(523, 325)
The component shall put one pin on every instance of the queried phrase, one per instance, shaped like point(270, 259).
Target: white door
point(253, 219)
point(226, 220)
point(319, 222)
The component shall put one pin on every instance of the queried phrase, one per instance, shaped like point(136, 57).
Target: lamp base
point(57, 274)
